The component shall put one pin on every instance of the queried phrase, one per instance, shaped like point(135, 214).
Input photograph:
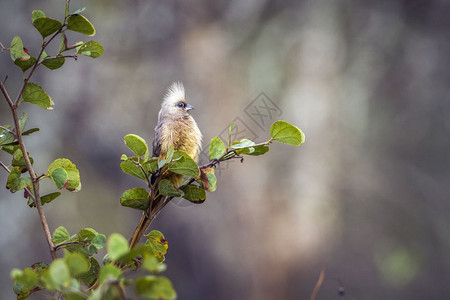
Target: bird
point(177, 128)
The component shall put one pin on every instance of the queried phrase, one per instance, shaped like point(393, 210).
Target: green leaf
point(230, 132)
point(99, 241)
point(130, 168)
point(161, 163)
point(90, 277)
point(151, 263)
point(131, 254)
point(157, 245)
point(151, 165)
point(39, 267)
point(170, 153)
point(87, 235)
point(54, 63)
point(283, 132)
point(43, 55)
point(25, 62)
point(117, 246)
point(92, 49)
point(6, 137)
point(15, 182)
point(209, 179)
point(136, 144)
point(30, 131)
point(194, 194)
point(36, 14)
point(77, 263)
point(244, 146)
point(183, 164)
point(57, 275)
point(10, 149)
point(166, 188)
point(24, 281)
point(259, 150)
point(19, 160)
point(34, 94)
point(62, 43)
point(66, 10)
point(23, 121)
point(244, 143)
point(80, 10)
point(137, 198)
point(80, 24)
point(44, 199)
point(16, 48)
point(60, 178)
point(109, 272)
point(155, 287)
point(216, 148)
point(50, 197)
point(44, 25)
point(60, 235)
point(74, 184)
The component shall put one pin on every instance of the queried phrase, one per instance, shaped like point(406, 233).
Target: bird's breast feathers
point(183, 134)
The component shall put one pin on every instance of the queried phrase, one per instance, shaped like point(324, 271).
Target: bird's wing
point(157, 141)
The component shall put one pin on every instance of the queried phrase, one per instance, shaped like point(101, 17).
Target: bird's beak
point(189, 107)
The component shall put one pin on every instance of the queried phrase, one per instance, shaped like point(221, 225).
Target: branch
point(3, 47)
point(34, 179)
point(318, 284)
point(75, 57)
point(153, 211)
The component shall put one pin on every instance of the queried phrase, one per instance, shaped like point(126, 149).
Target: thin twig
point(318, 284)
point(56, 247)
point(3, 47)
point(5, 167)
point(56, 57)
point(6, 95)
point(6, 129)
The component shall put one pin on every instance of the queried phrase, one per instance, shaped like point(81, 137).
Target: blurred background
point(366, 197)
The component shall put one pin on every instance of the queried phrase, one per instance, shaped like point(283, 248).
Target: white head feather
point(174, 93)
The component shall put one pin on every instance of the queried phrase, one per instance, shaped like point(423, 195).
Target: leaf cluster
point(78, 274)
point(152, 171)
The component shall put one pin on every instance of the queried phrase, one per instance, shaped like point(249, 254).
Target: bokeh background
point(366, 197)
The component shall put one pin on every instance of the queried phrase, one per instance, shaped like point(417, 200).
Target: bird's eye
point(181, 104)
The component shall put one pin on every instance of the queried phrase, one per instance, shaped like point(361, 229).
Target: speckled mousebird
point(175, 127)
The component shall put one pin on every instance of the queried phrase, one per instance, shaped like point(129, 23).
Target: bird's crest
point(174, 93)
